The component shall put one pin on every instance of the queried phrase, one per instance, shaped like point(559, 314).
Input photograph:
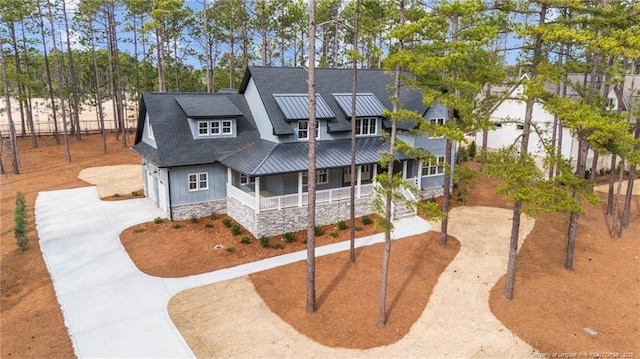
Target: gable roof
point(175, 143)
point(280, 80)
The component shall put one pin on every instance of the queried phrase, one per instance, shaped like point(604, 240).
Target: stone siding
point(200, 210)
point(269, 223)
point(434, 192)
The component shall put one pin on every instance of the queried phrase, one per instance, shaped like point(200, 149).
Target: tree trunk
point(34, 139)
point(615, 221)
point(612, 181)
point(98, 87)
point(47, 71)
point(630, 182)
point(583, 149)
point(160, 60)
point(354, 91)
point(311, 174)
point(15, 164)
point(75, 102)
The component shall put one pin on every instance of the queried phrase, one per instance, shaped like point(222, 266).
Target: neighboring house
point(508, 116)
point(245, 153)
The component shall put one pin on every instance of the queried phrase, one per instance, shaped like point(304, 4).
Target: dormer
point(368, 112)
point(210, 117)
point(295, 108)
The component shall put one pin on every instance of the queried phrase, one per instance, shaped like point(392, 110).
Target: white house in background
point(508, 115)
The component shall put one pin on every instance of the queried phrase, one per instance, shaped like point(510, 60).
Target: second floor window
point(303, 130)
point(366, 126)
point(215, 128)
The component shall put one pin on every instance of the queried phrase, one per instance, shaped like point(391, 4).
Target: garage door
point(151, 188)
point(162, 196)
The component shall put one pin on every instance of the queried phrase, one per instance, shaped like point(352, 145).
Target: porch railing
point(268, 203)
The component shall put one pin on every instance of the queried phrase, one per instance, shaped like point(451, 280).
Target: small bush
point(462, 195)
point(176, 225)
point(366, 220)
point(289, 237)
point(20, 216)
point(235, 229)
point(138, 230)
point(208, 225)
point(318, 230)
point(463, 155)
point(277, 246)
point(264, 241)
point(158, 220)
point(342, 225)
point(212, 215)
point(229, 248)
point(116, 195)
point(358, 228)
point(193, 218)
point(227, 222)
point(472, 149)
point(245, 240)
point(135, 193)
point(334, 234)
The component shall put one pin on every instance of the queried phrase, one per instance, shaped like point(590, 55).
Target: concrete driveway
point(111, 309)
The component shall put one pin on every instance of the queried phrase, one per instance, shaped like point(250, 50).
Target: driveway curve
point(111, 309)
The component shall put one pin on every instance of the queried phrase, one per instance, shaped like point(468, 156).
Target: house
point(508, 116)
point(245, 153)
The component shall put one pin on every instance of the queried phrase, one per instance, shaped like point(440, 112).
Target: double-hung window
point(433, 167)
point(198, 181)
point(245, 180)
point(215, 128)
point(322, 177)
point(303, 130)
point(366, 126)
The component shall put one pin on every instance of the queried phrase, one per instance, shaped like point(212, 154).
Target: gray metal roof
point(197, 106)
point(293, 157)
point(367, 104)
point(296, 107)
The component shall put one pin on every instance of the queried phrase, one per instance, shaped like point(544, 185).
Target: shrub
point(462, 195)
point(193, 218)
point(235, 229)
point(116, 195)
point(264, 241)
point(208, 225)
point(342, 225)
point(138, 230)
point(20, 216)
point(245, 240)
point(318, 230)
point(229, 248)
point(227, 222)
point(334, 234)
point(366, 220)
point(472, 149)
point(277, 246)
point(358, 228)
point(135, 193)
point(212, 215)
point(176, 225)
point(289, 237)
point(463, 155)
point(158, 220)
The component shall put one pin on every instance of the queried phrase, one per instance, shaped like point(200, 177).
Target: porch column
point(359, 183)
point(229, 176)
point(404, 170)
point(257, 193)
point(299, 189)
point(375, 172)
point(419, 179)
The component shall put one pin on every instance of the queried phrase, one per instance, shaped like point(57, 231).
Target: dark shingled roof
point(277, 80)
point(176, 146)
point(262, 159)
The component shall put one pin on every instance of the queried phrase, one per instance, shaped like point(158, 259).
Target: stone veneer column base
point(199, 210)
point(269, 223)
point(429, 193)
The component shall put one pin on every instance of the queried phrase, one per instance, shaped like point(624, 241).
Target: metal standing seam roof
point(211, 106)
point(296, 107)
point(367, 104)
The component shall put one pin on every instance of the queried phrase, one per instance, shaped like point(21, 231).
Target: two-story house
point(245, 153)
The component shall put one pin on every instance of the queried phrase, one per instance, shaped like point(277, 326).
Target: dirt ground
point(551, 307)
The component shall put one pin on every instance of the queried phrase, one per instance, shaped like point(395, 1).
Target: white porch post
point(404, 170)
point(257, 193)
point(359, 183)
point(375, 172)
point(299, 189)
point(419, 179)
point(229, 176)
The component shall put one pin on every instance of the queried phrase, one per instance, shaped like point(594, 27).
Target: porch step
point(401, 210)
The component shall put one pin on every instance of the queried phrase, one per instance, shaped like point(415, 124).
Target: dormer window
point(215, 128)
point(366, 126)
point(150, 132)
point(303, 130)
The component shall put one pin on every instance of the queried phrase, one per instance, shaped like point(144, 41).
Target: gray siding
point(145, 134)
point(193, 126)
point(179, 182)
point(259, 112)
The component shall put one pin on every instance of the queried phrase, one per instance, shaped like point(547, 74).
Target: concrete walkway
point(112, 309)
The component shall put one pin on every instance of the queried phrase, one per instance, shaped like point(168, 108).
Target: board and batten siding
point(179, 181)
point(259, 112)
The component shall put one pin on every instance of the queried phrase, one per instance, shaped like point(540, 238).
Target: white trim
point(306, 130)
point(198, 181)
point(429, 167)
point(215, 128)
point(305, 179)
point(361, 127)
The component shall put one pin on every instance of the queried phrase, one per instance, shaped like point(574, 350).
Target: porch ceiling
point(260, 160)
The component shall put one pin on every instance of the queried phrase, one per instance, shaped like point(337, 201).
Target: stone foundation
point(432, 192)
point(269, 223)
point(198, 210)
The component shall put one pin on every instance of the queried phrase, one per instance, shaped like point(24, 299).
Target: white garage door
point(151, 188)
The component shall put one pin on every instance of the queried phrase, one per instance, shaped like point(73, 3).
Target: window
point(247, 179)
point(303, 130)
point(215, 128)
point(151, 136)
point(436, 121)
point(520, 127)
point(433, 167)
point(366, 126)
point(322, 177)
point(198, 181)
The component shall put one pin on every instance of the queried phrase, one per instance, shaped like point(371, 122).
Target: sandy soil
point(113, 180)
